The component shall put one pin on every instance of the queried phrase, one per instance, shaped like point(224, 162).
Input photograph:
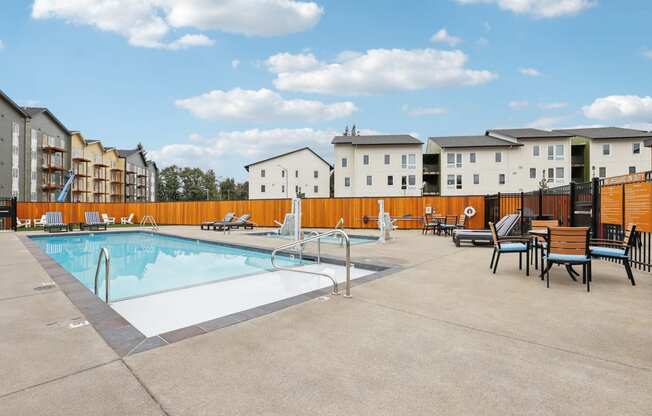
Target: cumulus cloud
point(235, 63)
point(553, 105)
point(620, 107)
point(547, 123)
point(425, 111)
point(646, 53)
point(263, 104)
point(375, 71)
point(442, 36)
point(2, 44)
point(147, 23)
point(539, 8)
point(529, 72)
point(517, 105)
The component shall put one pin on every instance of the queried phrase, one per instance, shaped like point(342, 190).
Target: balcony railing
point(431, 168)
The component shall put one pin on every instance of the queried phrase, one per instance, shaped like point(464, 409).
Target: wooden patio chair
point(502, 245)
point(448, 226)
point(461, 222)
point(568, 246)
point(428, 224)
point(539, 243)
point(616, 249)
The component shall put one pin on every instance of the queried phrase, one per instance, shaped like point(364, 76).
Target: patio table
point(543, 233)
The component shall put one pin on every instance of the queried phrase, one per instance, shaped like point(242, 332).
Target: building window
point(559, 173)
point(535, 150)
point(606, 149)
point(458, 182)
point(450, 181)
point(262, 188)
point(559, 152)
point(551, 174)
point(283, 189)
point(282, 173)
point(387, 159)
point(403, 161)
point(499, 157)
point(316, 174)
point(296, 189)
point(472, 157)
point(316, 189)
point(347, 182)
point(602, 172)
point(412, 180)
point(369, 180)
point(296, 173)
point(501, 179)
point(450, 159)
point(476, 179)
point(365, 159)
point(262, 173)
point(412, 161)
point(636, 148)
point(458, 160)
point(632, 169)
point(345, 162)
point(390, 180)
point(533, 173)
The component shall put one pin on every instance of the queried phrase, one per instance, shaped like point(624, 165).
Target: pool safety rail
point(148, 219)
point(107, 272)
point(299, 244)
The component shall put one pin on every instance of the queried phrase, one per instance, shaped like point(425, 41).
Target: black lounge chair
point(239, 222)
point(504, 227)
point(206, 225)
point(93, 222)
point(54, 222)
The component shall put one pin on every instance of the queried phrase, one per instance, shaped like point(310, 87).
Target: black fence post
point(522, 214)
point(14, 211)
point(571, 218)
point(595, 207)
point(540, 202)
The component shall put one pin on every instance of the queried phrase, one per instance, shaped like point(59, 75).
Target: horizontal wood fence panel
point(638, 198)
point(611, 204)
point(317, 213)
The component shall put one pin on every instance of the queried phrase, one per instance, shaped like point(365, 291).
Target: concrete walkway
point(442, 336)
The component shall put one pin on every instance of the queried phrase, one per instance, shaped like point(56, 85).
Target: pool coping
point(126, 340)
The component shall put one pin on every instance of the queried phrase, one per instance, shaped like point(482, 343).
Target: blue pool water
point(143, 263)
point(331, 239)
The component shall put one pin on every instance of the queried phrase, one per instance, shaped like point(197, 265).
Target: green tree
point(192, 181)
point(210, 184)
point(169, 184)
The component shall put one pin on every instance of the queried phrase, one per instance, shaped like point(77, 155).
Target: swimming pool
point(330, 239)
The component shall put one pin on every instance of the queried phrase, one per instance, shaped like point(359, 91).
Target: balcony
point(431, 169)
point(431, 189)
point(577, 160)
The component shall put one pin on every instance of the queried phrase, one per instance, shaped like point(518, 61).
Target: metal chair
point(568, 246)
point(502, 245)
point(616, 249)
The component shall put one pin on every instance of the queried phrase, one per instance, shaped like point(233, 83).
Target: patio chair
point(448, 226)
point(108, 220)
point(503, 245)
point(568, 246)
point(504, 227)
point(54, 222)
point(616, 249)
point(93, 221)
point(127, 220)
point(461, 222)
point(23, 224)
point(39, 222)
point(539, 243)
point(206, 225)
point(242, 221)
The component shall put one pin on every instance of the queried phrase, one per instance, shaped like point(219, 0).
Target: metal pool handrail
point(107, 271)
point(318, 237)
point(151, 220)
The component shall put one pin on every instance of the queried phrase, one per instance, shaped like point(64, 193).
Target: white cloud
point(235, 63)
point(482, 41)
point(263, 104)
point(425, 111)
point(646, 53)
point(442, 36)
point(487, 27)
point(547, 123)
point(2, 44)
point(539, 8)
point(517, 105)
point(147, 23)
point(376, 71)
point(553, 105)
point(530, 72)
point(620, 107)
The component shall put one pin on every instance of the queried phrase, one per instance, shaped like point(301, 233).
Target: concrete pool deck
point(441, 336)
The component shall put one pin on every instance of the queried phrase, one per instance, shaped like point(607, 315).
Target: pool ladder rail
point(149, 219)
point(104, 252)
point(317, 237)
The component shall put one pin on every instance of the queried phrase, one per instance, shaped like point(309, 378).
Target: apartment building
point(140, 175)
point(378, 165)
point(299, 172)
point(99, 171)
point(12, 138)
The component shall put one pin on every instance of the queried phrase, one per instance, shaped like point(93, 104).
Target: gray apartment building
point(141, 175)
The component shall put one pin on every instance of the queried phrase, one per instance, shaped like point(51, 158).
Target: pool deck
point(440, 336)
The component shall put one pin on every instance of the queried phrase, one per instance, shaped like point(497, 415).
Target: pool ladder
point(149, 219)
point(107, 271)
point(317, 237)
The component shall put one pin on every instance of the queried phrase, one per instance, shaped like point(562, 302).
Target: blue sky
point(222, 83)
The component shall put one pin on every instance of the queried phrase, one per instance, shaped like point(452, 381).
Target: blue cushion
point(568, 258)
point(607, 252)
point(512, 247)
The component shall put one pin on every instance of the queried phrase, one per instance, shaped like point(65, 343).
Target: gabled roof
point(13, 104)
point(32, 111)
point(527, 133)
point(124, 153)
point(446, 142)
point(386, 139)
point(289, 153)
point(607, 133)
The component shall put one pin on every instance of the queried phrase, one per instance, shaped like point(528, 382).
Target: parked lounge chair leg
point(496, 263)
point(493, 256)
point(520, 261)
point(628, 269)
point(527, 262)
point(588, 278)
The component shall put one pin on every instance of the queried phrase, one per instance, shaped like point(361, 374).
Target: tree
point(192, 180)
point(169, 184)
point(210, 184)
point(227, 189)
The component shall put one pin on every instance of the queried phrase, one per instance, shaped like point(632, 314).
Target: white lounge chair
point(108, 220)
point(23, 224)
point(127, 220)
point(40, 222)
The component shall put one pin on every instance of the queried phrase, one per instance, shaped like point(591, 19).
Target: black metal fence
point(8, 213)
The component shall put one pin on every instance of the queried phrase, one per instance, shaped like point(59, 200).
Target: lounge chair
point(568, 246)
point(242, 221)
point(206, 225)
point(127, 220)
point(54, 222)
point(616, 250)
point(108, 220)
point(39, 222)
point(503, 245)
point(504, 227)
point(93, 222)
point(23, 224)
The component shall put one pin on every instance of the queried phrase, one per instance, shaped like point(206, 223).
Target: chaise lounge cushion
point(608, 252)
point(513, 247)
point(568, 258)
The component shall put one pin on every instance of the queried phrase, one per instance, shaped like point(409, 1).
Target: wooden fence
point(317, 213)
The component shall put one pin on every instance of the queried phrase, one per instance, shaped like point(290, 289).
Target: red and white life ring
point(469, 211)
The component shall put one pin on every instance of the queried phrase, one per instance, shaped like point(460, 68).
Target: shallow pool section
point(331, 239)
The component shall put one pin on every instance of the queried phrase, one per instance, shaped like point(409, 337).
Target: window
point(476, 179)
point(533, 173)
point(296, 173)
point(412, 180)
point(458, 182)
point(412, 161)
point(602, 172)
point(316, 174)
point(403, 161)
point(501, 179)
point(606, 149)
point(450, 181)
point(551, 174)
point(296, 189)
point(369, 180)
point(472, 157)
point(316, 189)
point(262, 173)
point(282, 173)
point(535, 150)
point(347, 182)
point(559, 173)
point(454, 160)
point(636, 148)
point(345, 162)
point(365, 159)
point(551, 152)
point(387, 159)
point(458, 160)
point(499, 157)
point(282, 188)
point(262, 188)
point(403, 182)
point(559, 152)
point(632, 169)
point(450, 159)
point(390, 180)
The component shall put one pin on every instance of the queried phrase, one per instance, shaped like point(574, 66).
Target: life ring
point(469, 211)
